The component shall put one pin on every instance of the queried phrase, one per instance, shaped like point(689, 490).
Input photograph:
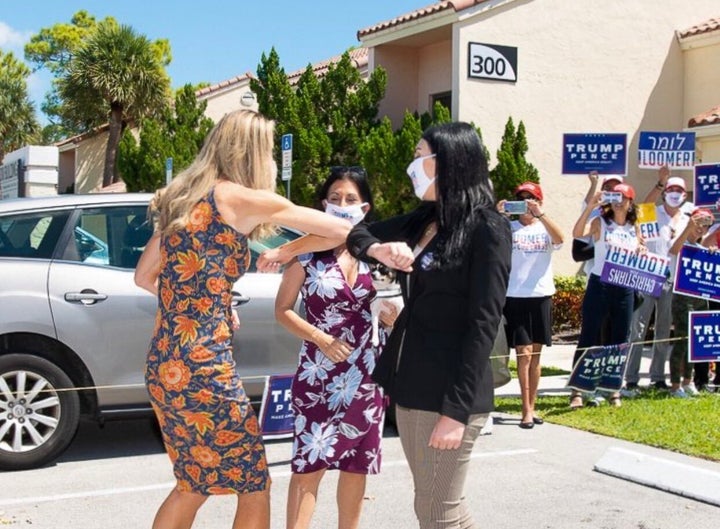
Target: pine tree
point(512, 168)
point(179, 134)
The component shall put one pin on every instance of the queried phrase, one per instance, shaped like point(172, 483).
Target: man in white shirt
point(672, 217)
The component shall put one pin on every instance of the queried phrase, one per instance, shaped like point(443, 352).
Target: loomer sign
point(674, 149)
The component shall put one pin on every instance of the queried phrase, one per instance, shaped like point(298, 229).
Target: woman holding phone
point(528, 306)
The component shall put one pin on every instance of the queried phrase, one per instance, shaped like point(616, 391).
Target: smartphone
point(611, 197)
point(515, 207)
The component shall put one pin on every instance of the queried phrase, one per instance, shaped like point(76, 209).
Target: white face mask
point(354, 214)
point(674, 199)
point(420, 181)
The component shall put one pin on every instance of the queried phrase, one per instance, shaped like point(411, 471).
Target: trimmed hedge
point(567, 303)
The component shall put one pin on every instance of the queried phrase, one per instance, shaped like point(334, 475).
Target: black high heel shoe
point(538, 420)
point(527, 425)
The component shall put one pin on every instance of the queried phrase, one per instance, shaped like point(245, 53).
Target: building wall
point(702, 90)
point(702, 73)
point(434, 72)
point(223, 101)
point(90, 162)
point(401, 64)
point(583, 66)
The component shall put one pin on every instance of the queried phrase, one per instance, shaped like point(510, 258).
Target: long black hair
point(355, 174)
point(463, 186)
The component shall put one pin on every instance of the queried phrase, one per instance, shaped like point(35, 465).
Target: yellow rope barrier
point(122, 386)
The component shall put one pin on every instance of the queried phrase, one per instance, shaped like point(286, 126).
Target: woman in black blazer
point(454, 254)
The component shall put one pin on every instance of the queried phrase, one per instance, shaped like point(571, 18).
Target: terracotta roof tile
point(223, 84)
point(437, 7)
point(357, 55)
point(711, 117)
point(705, 27)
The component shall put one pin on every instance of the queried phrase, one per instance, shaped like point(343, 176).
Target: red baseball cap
point(702, 212)
point(626, 190)
point(530, 187)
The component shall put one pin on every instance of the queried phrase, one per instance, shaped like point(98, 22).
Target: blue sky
point(212, 40)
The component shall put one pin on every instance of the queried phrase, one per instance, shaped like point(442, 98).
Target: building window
point(444, 98)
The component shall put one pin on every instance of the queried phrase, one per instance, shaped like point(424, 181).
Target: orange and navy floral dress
point(210, 430)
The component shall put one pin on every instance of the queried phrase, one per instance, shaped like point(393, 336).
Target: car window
point(282, 236)
point(33, 235)
point(109, 236)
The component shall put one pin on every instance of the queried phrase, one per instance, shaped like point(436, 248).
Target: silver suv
point(74, 328)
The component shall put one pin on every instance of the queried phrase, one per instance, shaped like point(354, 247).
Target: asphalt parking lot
point(117, 476)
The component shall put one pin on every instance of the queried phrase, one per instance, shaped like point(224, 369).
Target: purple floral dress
point(339, 410)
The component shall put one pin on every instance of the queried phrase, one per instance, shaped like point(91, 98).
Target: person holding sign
point(681, 371)
point(339, 410)
point(670, 220)
point(528, 306)
point(616, 226)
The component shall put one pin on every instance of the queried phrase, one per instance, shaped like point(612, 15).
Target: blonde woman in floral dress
point(204, 220)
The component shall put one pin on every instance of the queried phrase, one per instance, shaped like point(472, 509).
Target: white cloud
point(12, 39)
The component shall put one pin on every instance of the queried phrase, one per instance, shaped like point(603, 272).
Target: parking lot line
point(169, 484)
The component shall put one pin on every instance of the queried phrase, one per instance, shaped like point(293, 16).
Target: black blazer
point(437, 357)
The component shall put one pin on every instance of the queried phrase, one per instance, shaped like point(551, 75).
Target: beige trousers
point(438, 475)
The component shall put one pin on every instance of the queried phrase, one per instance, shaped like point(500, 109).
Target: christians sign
point(644, 272)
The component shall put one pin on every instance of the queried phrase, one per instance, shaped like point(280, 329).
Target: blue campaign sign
point(600, 367)
point(704, 336)
point(698, 273)
point(286, 142)
point(276, 415)
point(604, 153)
point(674, 149)
point(707, 184)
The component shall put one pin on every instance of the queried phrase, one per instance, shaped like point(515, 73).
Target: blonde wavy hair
point(239, 149)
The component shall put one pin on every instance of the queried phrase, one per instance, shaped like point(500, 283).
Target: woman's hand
point(388, 313)
point(270, 261)
point(501, 207)
point(397, 255)
point(335, 349)
point(533, 207)
point(447, 434)
point(593, 177)
point(235, 320)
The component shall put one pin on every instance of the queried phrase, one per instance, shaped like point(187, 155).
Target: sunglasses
point(342, 169)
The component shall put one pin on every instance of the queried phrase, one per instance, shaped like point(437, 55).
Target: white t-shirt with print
point(613, 234)
point(670, 228)
point(531, 273)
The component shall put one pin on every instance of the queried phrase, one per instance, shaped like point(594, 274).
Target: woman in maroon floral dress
point(339, 410)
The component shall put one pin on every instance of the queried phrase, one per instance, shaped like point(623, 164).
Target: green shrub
point(567, 302)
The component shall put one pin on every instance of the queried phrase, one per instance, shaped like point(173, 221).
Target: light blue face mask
point(421, 182)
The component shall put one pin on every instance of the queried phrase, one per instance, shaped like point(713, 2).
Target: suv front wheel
point(39, 411)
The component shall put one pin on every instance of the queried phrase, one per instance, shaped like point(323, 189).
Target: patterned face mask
point(420, 181)
point(354, 214)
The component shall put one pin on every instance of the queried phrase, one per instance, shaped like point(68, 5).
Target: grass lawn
point(689, 426)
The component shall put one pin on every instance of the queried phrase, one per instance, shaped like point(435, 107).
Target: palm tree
point(18, 125)
point(116, 77)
